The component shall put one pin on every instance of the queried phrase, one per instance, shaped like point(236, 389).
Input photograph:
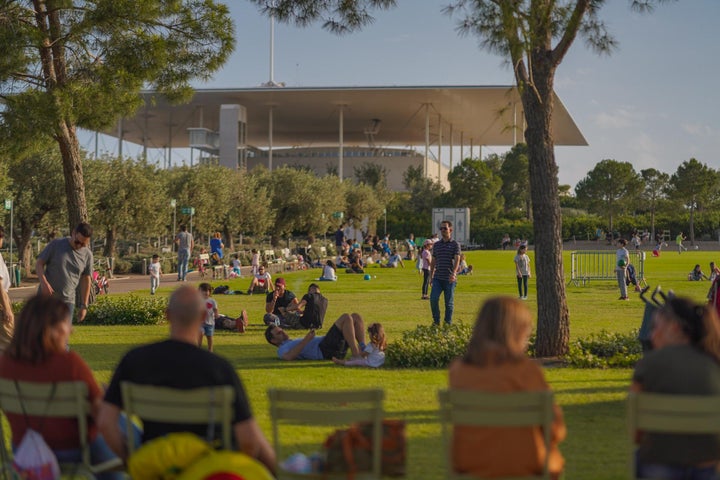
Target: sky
point(653, 102)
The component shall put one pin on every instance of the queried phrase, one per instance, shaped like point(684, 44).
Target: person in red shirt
point(38, 353)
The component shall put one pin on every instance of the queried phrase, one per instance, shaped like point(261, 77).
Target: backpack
point(221, 290)
point(349, 450)
point(33, 458)
point(315, 309)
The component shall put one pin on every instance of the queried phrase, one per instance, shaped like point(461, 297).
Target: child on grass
point(211, 311)
point(155, 270)
point(373, 354)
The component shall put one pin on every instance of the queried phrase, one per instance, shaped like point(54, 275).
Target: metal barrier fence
point(600, 265)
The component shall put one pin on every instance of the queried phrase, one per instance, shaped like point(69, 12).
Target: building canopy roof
point(304, 117)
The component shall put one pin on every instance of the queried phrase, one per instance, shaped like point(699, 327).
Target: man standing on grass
point(66, 263)
point(444, 266)
point(178, 363)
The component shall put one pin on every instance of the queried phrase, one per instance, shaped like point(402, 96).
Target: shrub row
point(605, 350)
point(429, 346)
point(436, 347)
point(126, 310)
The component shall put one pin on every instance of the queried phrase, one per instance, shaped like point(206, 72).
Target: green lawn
point(592, 399)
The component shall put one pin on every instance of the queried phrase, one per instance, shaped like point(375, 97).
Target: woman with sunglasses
point(685, 361)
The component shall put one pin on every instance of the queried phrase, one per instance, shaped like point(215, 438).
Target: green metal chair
point(482, 409)
point(69, 400)
point(680, 414)
point(315, 408)
point(202, 406)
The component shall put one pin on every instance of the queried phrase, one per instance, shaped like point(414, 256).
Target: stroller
point(631, 277)
point(655, 301)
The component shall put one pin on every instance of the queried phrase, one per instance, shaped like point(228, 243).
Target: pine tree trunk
point(67, 140)
point(553, 324)
point(692, 223)
point(230, 247)
point(110, 242)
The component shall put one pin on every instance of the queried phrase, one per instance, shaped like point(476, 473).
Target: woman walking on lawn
point(685, 361)
point(496, 361)
point(522, 271)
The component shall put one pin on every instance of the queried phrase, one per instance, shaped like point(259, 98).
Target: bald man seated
point(178, 363)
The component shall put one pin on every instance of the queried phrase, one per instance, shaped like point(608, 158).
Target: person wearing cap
point(276, 304)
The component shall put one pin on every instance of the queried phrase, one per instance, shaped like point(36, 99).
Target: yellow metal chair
point(69, 400)
point(482, 409)
point(202, 406)
point(314, 408)
point(664, 413)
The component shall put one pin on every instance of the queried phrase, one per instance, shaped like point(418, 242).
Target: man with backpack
point(310, 311)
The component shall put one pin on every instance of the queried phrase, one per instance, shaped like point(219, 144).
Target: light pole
point(9, 206)
point(385, 214)
point(173, 204)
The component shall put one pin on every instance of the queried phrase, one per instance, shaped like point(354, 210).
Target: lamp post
point(385, 215)
point(173, 204)
point(9, 206)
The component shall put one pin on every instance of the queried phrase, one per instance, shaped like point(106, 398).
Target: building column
point(427, 139)
point(341, 140)
point(462, 144)
point(270, 138)
point(451, 147)
point(120, 137)
point(439, 156)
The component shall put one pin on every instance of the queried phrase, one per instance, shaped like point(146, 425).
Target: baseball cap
point(428, 242)
point(280, 281)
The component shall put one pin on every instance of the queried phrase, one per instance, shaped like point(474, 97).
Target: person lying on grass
point(348, 332)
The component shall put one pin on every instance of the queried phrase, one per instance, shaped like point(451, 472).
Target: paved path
point(119, 284)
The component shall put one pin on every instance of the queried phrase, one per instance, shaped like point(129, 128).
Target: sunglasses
point(444, 228)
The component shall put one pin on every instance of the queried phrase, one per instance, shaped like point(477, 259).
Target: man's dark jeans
point(448, 289)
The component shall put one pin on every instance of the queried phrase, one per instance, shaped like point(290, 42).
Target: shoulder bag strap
point(47, 406)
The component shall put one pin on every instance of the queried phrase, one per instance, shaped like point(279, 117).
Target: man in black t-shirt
point(179, 363)
point(279, 306)
point(311, 308)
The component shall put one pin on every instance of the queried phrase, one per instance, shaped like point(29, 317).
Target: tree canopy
point(609, 189)
point(76, 63)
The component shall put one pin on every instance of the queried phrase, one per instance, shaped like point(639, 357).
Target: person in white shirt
point(261, 282)
point(373, 355)
point(329, 274)
point(155, 270)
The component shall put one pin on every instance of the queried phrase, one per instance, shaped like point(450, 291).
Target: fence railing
point(600, 265)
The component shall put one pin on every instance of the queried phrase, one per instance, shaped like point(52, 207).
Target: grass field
point(592, 399)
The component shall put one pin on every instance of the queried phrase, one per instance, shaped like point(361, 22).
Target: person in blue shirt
point(348, 332)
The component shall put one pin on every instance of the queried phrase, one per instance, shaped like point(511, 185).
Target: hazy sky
point(653, 102)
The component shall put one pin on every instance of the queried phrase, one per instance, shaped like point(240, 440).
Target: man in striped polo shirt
point(444, 266)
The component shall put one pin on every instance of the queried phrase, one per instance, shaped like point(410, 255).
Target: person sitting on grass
point(685, 360)
point(310, 311)
point(261, 282)
point(348, 332)
point(277, 303)
point(496, 361)
point(697, 274)
point(329, 274)
point(465, 269)
point(374, 353)
point(393, 261)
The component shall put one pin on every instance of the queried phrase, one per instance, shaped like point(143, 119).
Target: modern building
point(335, 130)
